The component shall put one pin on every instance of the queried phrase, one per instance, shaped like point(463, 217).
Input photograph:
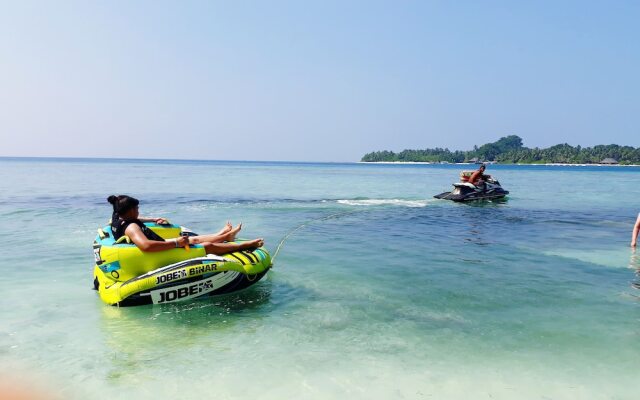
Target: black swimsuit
point(119, 226)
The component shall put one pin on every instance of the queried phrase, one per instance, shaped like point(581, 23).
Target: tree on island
point(490, 151)
point(510, 150)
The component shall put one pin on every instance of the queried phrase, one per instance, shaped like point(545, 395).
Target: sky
point(313, 81)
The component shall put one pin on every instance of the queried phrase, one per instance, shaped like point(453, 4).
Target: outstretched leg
point(228, 235)
point(224, 248)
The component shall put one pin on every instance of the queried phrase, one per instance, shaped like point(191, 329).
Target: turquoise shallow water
point(388, 294)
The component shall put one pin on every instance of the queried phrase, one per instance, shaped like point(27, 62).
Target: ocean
point(382, 291)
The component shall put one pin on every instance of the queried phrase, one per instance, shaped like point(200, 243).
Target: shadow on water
point(136, 337)
point(634, 263)
point(486, 203)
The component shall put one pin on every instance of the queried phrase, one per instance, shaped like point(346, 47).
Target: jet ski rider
point(478, 178)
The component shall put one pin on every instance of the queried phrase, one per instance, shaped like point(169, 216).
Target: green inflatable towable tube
point(126, 276)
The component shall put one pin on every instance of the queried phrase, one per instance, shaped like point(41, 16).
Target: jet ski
point(466, 191)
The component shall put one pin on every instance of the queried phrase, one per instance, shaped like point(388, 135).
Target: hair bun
point(112, 199)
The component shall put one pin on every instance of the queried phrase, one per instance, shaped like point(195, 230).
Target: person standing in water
point(126, 220)
point(634, 233)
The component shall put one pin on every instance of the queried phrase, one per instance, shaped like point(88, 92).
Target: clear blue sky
point(315, 81)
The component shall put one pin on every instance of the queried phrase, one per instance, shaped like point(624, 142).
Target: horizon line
point(77, 158)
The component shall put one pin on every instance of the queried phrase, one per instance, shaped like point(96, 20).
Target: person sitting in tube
point(477, 178)
point(127, 221)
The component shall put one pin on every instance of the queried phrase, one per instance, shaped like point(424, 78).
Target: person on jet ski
point(477, 178)
point(127, 221)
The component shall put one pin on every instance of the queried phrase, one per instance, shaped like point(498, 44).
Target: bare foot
point(252, 244)
point(231, 235)
point(226, 229)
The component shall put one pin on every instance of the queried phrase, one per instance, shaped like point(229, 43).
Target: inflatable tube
point(126, 276)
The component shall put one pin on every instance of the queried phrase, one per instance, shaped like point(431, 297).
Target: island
point(510, 150)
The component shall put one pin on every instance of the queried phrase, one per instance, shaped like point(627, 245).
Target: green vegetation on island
point(509, 150)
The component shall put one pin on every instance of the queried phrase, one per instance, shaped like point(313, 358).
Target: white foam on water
point(383, 202)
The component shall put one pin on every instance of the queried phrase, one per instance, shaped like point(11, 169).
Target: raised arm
point(135, 234)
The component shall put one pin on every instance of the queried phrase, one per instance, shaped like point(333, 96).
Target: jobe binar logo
point(171, 277)
point(185, 291)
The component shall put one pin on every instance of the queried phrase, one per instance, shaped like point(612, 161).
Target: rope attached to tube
point(306, 223)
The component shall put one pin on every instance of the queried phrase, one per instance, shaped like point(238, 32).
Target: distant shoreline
point(213, 161)
point(494, 163)
point(510, 150)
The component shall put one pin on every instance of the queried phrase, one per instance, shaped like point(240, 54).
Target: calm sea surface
point(385, 293)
